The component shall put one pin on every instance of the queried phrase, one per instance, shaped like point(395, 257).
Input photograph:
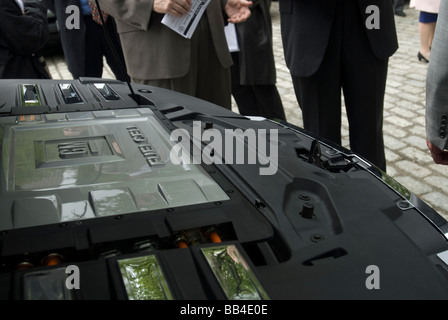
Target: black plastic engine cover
point(89, 187)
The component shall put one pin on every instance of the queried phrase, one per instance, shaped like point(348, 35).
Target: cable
point(124, 74)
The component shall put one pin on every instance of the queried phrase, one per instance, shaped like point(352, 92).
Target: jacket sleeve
point(23, 34)
point(437, 83)
point(133, 12)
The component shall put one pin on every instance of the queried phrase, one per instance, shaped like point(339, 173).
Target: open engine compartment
point(89, 187)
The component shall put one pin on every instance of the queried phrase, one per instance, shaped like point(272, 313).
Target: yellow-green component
point(30, 95)
point(143, 278)
point(233, 273)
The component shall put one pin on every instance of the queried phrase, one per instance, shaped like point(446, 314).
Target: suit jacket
point(306, 26)
point(21, 37)
point(437, 83)
point(152, 50)
point(72, 40)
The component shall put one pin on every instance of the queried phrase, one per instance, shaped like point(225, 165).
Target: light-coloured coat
point(431, 6)
point(437, 83)
point(152, 50)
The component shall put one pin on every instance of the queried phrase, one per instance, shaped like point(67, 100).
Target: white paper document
point(232, 40)
point(186, 25)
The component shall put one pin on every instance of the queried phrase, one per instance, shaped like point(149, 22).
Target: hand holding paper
point(185, 25)
point(177, 8)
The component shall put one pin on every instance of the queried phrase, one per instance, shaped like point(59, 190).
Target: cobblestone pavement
point(408, 160)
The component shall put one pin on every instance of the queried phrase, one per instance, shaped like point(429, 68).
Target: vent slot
point(330, 255)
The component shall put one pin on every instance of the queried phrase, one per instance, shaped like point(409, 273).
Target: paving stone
point(418, 131)
point(402, 112)
point(391, 171)
point(417, 141)
point(438, 169)
point(439, 182)
point(392, 156)
point(392, 143)
point(414, 185)
point(439, 201)
point(418, 156)
point(394, 130)
point(413, 169)
point(399, 121)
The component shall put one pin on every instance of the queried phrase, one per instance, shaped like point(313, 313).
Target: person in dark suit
point(331, 45)
point(84, 48)
point(253, 70)
point(23, 32)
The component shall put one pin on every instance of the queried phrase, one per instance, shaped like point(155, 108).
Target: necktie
point(96, 13)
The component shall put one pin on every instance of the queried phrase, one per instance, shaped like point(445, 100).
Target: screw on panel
point(317, 237)
point(304, 197)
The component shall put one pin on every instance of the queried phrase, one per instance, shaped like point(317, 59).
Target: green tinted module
point(143, 278)
point(29, 93)
point(47, 284)
point(233, 273)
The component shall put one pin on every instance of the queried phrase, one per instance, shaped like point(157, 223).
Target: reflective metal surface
point(144, 279)
point(233, 273)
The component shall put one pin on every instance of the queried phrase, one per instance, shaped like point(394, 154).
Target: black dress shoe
point(400, 13)
point(422, 57)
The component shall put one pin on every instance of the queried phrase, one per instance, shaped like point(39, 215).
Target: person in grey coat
point(157, 56)
point(437, 90)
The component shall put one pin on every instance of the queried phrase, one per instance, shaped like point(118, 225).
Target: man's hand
point(439, 156)
point(238, 10)
point(177, 8)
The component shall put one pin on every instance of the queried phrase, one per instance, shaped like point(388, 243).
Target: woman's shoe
point(422, 57)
